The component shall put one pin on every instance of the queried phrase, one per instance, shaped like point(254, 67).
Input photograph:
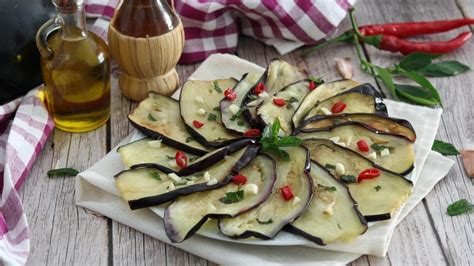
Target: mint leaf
point(319, 80)
point(416, 95)
point(271, 142)
point(330, 166)
point(377, 188)
point(417, 60)
point(444, 69)
point(216, 87)
point(151, 118)
point(459, 207)
point(232, 197)
point(444, 148)
point(212, 117)
point(62, 172)
point(348, 179)
point(155, 175)
point(377, 147)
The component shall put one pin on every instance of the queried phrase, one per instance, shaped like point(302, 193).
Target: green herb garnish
point(326, 188)
point(151, 118)
point(330, 166)
point(252, 97)
point(216, 87)
point(238, 114)
point(169, 157)
point(377, 147)
point(265, 222)
point(240, 123)
point(212, 117)
point(271, 142)
point(155, 175)
point(290, 101)
point(62, 172)
point(444, 148)
point(317, 80)
point(348, 179)
point(339, 226)
point(459, 207)
point(377, 188)
point(189, 139)
point(232, 197)
point(217, 108)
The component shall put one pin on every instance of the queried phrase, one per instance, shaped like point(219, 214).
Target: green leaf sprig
point(62, 172)
point(273, 143)
point(444, 148)
point(232, 197)
point(459, 207)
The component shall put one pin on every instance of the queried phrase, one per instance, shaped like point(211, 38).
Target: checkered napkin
point(213, 26)
point(24, 128)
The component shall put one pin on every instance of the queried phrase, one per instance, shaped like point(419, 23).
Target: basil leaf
point(417, 60)
point(444, 148)
point(422, 81)
point(377, 147)
point(386, 77)
point(416, 94)
point(62, 172)
point(444, 69)
point(459, 207)
point(232, 197)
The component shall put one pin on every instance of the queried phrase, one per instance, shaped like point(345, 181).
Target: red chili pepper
point(181, 159)
point(197, 124)
point(230, 94)
point(312, 85)
point(362, 145)
point(253, 132)
point(286, 192)
point(260, 88)
point(239, 179)
point(369, 173)
point(279, 102)
point(407, 29)
point(338, 107)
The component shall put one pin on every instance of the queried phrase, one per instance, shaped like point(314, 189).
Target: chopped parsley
point(348, 179)
point(212, 117)
point(217, 88)
point(377, 188)
point(155, 175)
point(330, 166)
point(265, 222)
point(189, 139)
point(151, 118)
point(232, 197)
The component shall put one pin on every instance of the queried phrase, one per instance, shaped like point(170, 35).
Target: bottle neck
point(72, 21)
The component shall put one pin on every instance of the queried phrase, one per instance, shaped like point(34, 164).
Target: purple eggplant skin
point(168, 141)
point(249, 154)
point(173, 234)
point(366, 88)
point(402, 122)
point(294, 230)
point(250, 233)
point(246, 113)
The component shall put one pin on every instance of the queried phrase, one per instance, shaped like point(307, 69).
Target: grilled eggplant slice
point(292, 95)
point(377, 198)
point(270, 217)
point(232, 110)
point(279, 74)
point(323, 92)
point(332, 214)
point(390, 125)
point(148, 186)
point(150, 151)
point(158, 117)
point(199, 102)
point(361, 99)
point(187, 214)
point(399, 156)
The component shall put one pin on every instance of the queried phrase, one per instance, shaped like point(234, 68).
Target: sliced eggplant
point(148, 186)
point(268, 111)
point(332, 214)
point(380, 123)
point(279, 74)
point(232, 110)
point(158, 117)
point(199, 102)
point(150, 151)
point(270, 217)
point(392, 152)
point(377, 198)
point(361, 99)
point(187, 214)
point(321, 93)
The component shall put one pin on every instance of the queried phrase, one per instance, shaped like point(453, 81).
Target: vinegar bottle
point(75, 68)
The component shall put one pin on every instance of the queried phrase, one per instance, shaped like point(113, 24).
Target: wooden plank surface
point(63, 234)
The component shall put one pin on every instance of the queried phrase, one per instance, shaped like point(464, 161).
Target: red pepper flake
point(286, 192)
point(312, 85)
point(260, 88)
point(181, 159)
point(369, 173)
point(239, 179)
point(279, 102)
point(338, 107)
point(230, 94)
point(197, 124)
point(253, 132)
point(362, 145)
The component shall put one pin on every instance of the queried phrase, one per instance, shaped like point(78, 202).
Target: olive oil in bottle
point(76, 70)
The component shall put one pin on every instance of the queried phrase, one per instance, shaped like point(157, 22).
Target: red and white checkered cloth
point(214, 26)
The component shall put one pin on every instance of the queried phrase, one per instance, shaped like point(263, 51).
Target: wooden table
point(63, 234)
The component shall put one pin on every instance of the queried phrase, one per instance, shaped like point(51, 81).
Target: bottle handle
point(42, 37)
